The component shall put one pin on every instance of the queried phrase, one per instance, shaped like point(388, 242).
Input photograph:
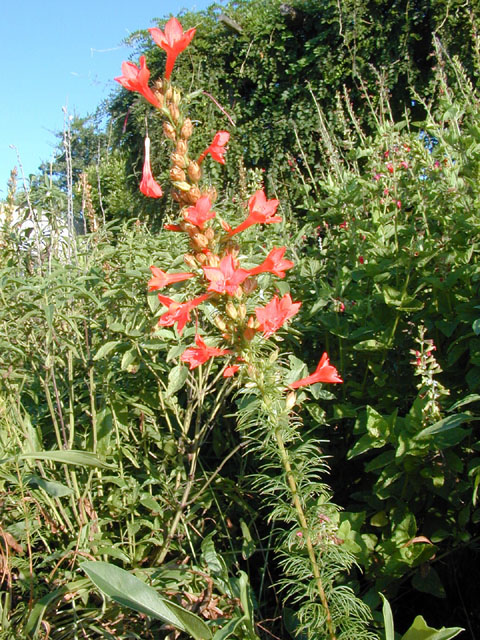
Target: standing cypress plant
point(291, 471)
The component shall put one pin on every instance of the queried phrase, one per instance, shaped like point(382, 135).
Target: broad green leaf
point(36, 615)
point(55, 489)
point(445, 424)
point(128, 359)
point(226, 631)
point(421, 631)
point(368, 345)
point(124, 588)
point(472, 397)
point(71, 456)
point(106, 348)
point(176, 379)
point(387, 619)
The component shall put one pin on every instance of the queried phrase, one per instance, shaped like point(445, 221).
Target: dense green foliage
point(380, 199)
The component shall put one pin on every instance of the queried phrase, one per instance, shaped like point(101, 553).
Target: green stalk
point(303, 523)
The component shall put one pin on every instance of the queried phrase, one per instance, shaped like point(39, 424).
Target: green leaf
point(427, 580)
point(387, 619)
point(248, 544)
point(445, 425)
point(55, 489)
point(421, 631)
point(368, 345)
point(227, 630)
point(124, 588)
point(476, 326)
point(472, 397)
point(81, 458)
point(38, 611)
point(106, 348)
point(176, 379)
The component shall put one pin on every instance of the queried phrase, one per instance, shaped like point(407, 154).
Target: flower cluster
point(213, 260)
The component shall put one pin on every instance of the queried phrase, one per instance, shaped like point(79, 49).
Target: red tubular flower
point(197, 356)
point(148, 185)
point(173, 41)
point(275, 313)
point(225, 278)
point(200, 213)
point(230, 371)
point(217, 148)
point(161, 279)
point(172, 227)
point(274, 263)
point(178, 312)
point(261, 212)
point(135, 79)
point(325, 372)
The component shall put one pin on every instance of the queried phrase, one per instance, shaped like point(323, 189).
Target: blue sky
point(60, 53)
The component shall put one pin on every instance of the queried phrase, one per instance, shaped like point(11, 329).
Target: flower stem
point(303, 523)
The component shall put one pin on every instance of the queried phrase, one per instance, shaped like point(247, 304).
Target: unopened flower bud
point(211, 192)
point(194, 172)
point(249, 285)
point(199, 241)
point(291, 400)
point(213, 260)
point(182, 147)
point(174, 112)
point(159, 96)
point(194, 194)
point(225, 226)
point(249, 333)
point(177, 174)
point(242, 311)
point(231, 310)
point(169, 131)
point(201, 258)
point(252, 323)
point(178, 160)
point(209, 234)
point(169, 93)
point(190, 260)
point(220, 323)
point(176, 97)
point(187, 129)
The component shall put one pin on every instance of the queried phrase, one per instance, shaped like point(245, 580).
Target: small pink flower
point(361, 259)
point(399, 204)
point(390, 167)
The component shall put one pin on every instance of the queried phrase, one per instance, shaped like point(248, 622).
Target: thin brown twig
point(220, 107)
